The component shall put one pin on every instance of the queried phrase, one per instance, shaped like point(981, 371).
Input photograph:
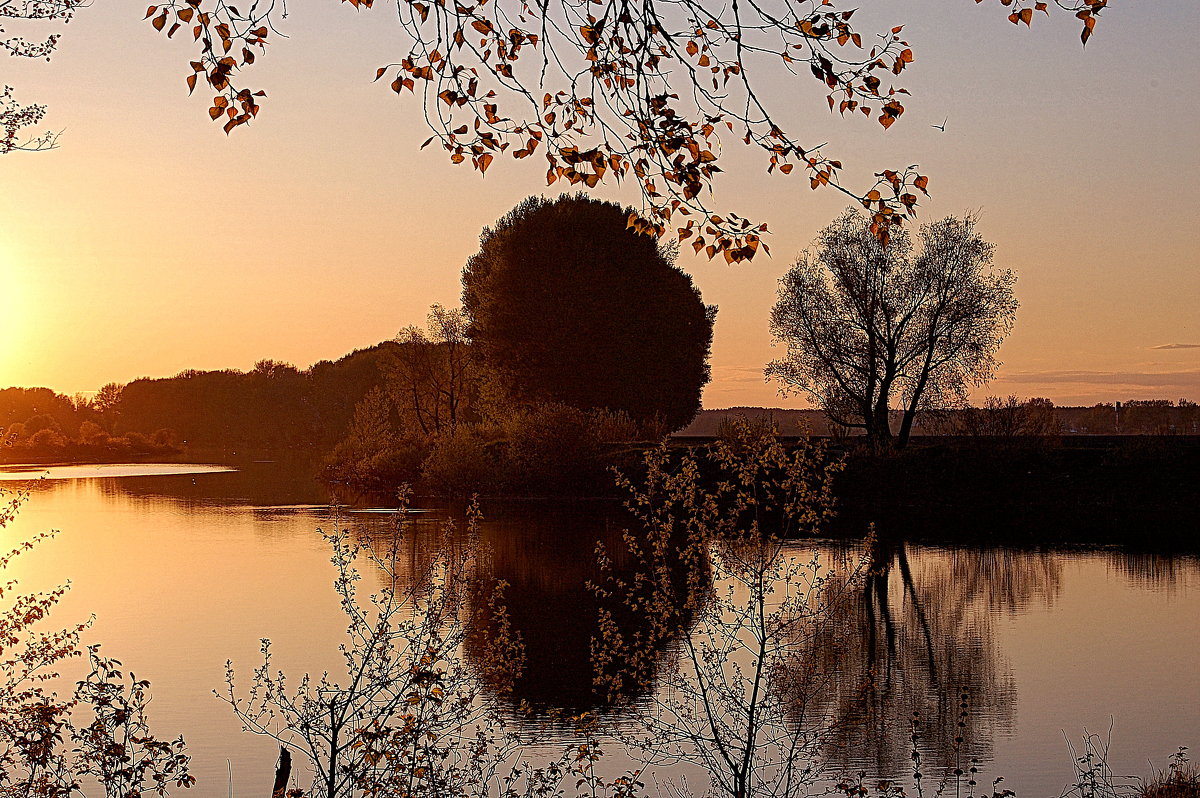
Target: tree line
point(577, 337)
point(273, 405)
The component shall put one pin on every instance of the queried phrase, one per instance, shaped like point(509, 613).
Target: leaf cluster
point(616, 90)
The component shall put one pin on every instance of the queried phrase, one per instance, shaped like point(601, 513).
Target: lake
point(184, 567)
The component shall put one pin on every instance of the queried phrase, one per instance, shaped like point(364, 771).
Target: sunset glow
point(323, 227)
point(672, 399)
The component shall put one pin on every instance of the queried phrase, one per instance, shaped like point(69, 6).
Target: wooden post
point(283, 771)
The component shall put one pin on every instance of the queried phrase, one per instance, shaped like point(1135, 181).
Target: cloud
point(1112, 379)
point(738, 374)
point(1177, 346)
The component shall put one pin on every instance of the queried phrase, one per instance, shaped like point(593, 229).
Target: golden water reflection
point(184, 571)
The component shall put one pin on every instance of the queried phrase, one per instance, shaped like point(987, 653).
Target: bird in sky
point(942, 127)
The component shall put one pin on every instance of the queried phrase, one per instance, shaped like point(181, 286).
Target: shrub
point(615, 426)
point(381, 467)
point(46, 439)
point(465, 460)
point(554, 448)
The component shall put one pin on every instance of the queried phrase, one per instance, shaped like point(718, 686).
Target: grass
point(1181, 779)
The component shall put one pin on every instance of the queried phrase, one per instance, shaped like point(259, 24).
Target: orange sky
point(150, 242)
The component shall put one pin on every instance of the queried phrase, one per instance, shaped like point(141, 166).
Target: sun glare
point(13, 314)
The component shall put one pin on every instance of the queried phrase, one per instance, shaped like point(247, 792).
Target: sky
point(150, 242)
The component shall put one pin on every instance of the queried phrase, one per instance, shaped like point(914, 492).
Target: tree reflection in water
point(1152, 569)
point(546, 559)
point(918, 640)
point(915, 633)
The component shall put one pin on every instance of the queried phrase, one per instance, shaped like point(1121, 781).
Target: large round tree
point(567, 304)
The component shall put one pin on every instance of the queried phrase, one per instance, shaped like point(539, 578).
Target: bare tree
point(868, 324)
point(433, 373)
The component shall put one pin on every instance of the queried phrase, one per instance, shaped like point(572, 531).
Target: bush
point(616, 426)
point(45, 439)
point(376, 468)
point(465, 460)
point(547, 448)
point(554, 448)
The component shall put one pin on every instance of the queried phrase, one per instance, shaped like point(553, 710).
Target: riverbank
point(115, 450)
point(1132, 490)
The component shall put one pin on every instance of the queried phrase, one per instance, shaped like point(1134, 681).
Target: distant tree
point(1189, 417)
point(91, 433)
point(868, 324)
point(568, 305)
point(273, 369)
point(36, 424)
point(1010, 417)
point(23, 404)
point(47, 438)
point(433, 372)
point(12, 433)
point(107, 403)
point(1100, 419)
point(1147, 416)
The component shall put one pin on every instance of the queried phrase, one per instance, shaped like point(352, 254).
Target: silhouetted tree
point(272, 405)
point(432, 373)
point(39, 408)
point(107, 403)
point(569, 305)
point(1100, 419)
point(1189, 417)
point(1147, 416)
point(867, 323)
point(1010, 417)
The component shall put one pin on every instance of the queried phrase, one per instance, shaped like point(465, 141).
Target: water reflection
point(233, 557)
point(917, 641)
point(545, 555)
point(24, 473)
point(1153, 570)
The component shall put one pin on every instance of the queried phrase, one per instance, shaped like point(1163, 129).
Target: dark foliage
point(568, 305)
point(273, 405)
point(1134, 490)
point(39, 408)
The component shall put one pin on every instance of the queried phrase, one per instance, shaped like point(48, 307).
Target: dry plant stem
point(51, 746)
point(735, 600)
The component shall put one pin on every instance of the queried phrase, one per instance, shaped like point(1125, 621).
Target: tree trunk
point(283, 772)
point(882, 426)
point(906, 427)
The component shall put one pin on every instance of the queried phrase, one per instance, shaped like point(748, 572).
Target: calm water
point(184, 568)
